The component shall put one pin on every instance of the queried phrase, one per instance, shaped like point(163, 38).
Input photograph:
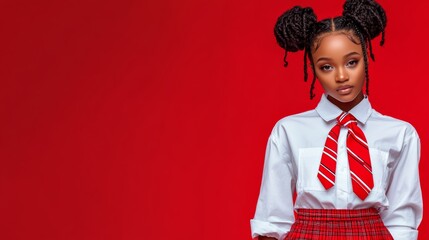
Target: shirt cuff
point(399, 233)
point(269, 229)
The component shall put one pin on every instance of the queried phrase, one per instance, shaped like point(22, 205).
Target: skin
point(340, 69)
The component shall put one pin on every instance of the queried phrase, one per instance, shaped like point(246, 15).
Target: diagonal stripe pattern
point(358, 156)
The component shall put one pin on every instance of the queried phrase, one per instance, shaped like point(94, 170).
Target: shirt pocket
point(309, 162)
point(308, 167)
point(379, 161)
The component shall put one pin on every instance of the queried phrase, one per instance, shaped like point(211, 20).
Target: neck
point(347, 106)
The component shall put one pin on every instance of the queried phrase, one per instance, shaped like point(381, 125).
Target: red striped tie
point(358, 155)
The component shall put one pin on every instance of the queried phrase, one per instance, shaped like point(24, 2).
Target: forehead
point(336, 46)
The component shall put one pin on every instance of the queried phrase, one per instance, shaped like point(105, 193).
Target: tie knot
point(345, 119)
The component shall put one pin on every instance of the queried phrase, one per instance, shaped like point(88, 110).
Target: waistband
point(337, 214)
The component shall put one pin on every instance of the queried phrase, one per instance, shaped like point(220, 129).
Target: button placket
point(341, 174)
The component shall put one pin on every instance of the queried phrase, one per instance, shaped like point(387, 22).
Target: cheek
point(326, 83)
point(359, 75)
point(322, 77)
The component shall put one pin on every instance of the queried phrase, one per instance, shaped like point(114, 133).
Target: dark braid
point(291, 29)
point(298, 29)
point(313, 81)
point(369, 16)
point(305, 31)
point(363, 39)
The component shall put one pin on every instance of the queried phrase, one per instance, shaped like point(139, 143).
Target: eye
point(352, 63)
point(326, 68)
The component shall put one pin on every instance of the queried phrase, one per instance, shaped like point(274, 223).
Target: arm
point(274, 211)
point(404, 193)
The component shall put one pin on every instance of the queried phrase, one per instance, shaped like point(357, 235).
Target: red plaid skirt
point(338, 224)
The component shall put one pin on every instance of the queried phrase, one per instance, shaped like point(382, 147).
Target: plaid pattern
point(338, 224)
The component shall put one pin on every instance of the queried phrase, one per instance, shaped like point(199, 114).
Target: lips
point(344, 90)
point(344, 87)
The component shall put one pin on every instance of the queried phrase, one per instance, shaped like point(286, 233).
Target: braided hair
point(298, 29)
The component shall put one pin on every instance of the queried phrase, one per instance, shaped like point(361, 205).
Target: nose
point(341, 75)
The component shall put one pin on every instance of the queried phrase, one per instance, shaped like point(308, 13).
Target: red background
point(149, 119)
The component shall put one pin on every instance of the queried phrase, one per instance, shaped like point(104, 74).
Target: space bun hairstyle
point(298, 29)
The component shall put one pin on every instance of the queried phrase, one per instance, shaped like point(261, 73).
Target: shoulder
point(300, 118)
point(389, 123)
point(295, 121)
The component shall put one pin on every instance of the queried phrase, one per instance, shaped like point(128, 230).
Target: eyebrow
point(346, 56)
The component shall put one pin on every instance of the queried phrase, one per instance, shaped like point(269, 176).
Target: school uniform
point(292, 160)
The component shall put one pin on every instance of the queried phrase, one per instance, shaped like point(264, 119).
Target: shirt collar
point(329, 111)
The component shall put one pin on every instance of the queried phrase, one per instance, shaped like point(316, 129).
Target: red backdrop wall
point(149, 119)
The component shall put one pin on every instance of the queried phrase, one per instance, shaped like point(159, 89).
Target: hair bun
point(369, 14)
point(291, 29)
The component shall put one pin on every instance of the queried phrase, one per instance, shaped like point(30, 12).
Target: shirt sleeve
point(404, 214)
point(274, 211)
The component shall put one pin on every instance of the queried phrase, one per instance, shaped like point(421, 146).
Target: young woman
point(354, 170)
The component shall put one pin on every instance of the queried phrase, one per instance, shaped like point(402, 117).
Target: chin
point(345, 98)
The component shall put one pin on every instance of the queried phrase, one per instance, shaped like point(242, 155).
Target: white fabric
point(292, 159)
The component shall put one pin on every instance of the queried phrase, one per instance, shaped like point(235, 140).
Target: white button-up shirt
point(292, 160)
